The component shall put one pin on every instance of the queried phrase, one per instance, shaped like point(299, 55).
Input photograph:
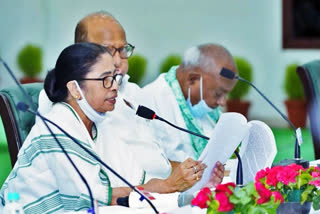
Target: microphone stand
point(226, 73)
point(297, 156)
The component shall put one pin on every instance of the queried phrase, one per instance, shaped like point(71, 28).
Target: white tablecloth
point(125, 210)
point(182, 210)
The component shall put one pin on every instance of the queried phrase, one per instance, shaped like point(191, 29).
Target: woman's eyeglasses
point(108, 80)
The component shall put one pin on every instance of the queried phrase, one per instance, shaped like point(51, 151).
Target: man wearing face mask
point(189, 95)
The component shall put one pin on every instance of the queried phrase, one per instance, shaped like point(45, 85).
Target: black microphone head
point(124, 201)
point(145, 112)
point(226, 73)
point(22, 106)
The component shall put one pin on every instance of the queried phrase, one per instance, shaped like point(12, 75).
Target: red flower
point(202, 198)
point(263, 192)
point(317, 181)
point(288, 174)
point(296, 167)
point(315, 174)
point(272, 179)
point(224, 203)
point(261, 174)
point(277, 196)
point(225, 187)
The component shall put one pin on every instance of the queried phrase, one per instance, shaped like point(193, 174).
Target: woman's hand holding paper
point(186, 175)
point(216, 175)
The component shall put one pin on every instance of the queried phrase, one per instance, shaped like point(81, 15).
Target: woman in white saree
point(83, 85)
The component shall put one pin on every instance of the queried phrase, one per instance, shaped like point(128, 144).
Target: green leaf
point(213, 206)
point(279, 185)
point(249, 188)
point(305, 194)
point(234, 199)
point(210, 210)
point(257, 210)
point(303, 179)
point(316, 202)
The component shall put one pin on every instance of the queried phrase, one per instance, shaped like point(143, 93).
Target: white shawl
point(46, 180)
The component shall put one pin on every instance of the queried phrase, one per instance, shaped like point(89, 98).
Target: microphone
point(226, 73)
point(22, 107)
point(122, 200)
point(149, 114)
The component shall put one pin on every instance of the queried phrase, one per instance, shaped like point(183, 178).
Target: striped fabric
point(44, 178)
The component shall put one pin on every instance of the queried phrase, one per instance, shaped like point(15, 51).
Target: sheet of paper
point(257, 151)
point(226, 136)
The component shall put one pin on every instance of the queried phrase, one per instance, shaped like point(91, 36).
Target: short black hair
point(73, 63)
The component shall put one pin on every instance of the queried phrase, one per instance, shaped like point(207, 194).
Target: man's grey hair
point(194, 57)
point(191, 57)
point(204, 56)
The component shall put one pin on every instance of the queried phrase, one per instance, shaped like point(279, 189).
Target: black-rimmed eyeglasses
point(108, 80)
point(125, 51)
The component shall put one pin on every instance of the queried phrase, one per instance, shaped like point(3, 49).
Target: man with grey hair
point(189, 95)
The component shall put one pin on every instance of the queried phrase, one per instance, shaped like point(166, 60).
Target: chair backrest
point(309, 74)
point(257, 151)
point(17, 124)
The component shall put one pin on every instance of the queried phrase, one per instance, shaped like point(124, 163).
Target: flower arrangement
point(272, 187)
point(293, 182)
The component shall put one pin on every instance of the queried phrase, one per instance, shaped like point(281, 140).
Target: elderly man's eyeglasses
point(108, 80)
point(125, 51)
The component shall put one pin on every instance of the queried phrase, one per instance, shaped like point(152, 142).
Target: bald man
point(189, 95)
point(125, 133)
point(102, 28)
point(123, 125)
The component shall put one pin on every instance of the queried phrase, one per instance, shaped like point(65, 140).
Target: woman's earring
point(77, 97)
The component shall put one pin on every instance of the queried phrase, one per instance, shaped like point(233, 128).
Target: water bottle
point(13, 206)
point(184, 199)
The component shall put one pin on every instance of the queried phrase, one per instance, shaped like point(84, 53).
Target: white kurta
point(46, 180)
point(176, 144)
point(126, 130)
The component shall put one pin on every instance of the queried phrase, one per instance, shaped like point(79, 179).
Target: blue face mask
point(200, 109)
point(93, 115)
